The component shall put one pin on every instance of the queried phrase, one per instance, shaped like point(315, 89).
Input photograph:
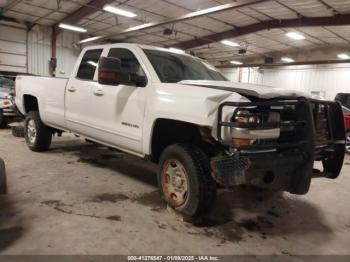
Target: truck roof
point(131, 45)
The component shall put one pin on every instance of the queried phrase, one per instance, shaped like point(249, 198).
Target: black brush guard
point(288, 162)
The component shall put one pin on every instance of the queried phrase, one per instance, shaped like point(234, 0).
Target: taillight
point(347, 122)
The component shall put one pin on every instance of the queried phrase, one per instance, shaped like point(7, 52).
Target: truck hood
point(252, 90)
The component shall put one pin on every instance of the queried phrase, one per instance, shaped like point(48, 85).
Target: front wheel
point(185, 181)
point(38, 136)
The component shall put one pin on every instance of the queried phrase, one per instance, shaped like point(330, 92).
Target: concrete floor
point(81, 199)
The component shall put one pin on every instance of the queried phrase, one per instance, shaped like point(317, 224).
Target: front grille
point(288, 131)
point(312, 129)
point(298, 119)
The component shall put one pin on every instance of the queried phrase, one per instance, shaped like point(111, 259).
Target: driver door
point(117, 111)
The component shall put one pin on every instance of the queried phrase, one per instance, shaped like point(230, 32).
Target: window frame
point(81, 60)
point(137, 56)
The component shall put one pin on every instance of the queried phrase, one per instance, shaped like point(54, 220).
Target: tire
point(38, 136)
point(3, 182)
point(190, 169)
point(3, 120)
point(17, 131)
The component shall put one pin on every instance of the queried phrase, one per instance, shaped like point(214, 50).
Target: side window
point(127, 59)
point(88, 64)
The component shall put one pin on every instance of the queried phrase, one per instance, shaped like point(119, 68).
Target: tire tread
point(44, 134)
point(206, 194)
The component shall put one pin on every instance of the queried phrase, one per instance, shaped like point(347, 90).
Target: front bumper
point(288, 163)
point(266, 170)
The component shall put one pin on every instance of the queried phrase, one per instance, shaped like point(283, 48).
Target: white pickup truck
point(180, 112)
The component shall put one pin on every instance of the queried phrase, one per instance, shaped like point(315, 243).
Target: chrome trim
point(246, 133)
point(340, 142)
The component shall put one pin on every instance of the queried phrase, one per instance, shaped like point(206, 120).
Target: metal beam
point(340, 19)
point(189, 16)
point(10, 5)
point(85, 11)
point(315, 62)
point(328, 6)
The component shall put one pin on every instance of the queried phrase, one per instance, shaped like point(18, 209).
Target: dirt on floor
point(79, 198)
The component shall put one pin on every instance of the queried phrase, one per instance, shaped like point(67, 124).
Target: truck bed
point(50, 93)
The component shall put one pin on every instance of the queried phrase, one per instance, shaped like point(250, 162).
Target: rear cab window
point(88, 64)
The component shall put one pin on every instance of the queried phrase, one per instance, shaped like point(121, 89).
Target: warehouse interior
point(83, 198)
point(26, 36)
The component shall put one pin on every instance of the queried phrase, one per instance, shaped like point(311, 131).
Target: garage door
point(13, 54)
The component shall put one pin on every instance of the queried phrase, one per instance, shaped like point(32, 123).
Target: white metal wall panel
point(230, 73)
point(17, 48)
point(39, 52)
point(13, 55)
point(327, 79)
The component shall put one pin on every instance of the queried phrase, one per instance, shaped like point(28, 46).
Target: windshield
point(6, 82)
point(173, 68)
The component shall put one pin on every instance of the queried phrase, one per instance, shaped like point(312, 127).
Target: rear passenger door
point(79, 92)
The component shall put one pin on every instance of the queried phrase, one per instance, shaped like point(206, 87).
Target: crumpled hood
point(259, 91)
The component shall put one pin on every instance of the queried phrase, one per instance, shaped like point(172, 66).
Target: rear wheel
point(38, 136)
point(185, 181)
point(3, 120)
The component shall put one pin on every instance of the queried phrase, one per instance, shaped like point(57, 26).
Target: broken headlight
point(252, 124)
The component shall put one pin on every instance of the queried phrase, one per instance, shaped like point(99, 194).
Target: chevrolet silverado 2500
point(180, 112)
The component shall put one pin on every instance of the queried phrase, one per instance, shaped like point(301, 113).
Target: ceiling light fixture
point(118, 11)
point(90, 39)
point(343, 56)
point(287, 59)
point(236, 62)
point(230, 43)
point(295, 35)
point(72, 28)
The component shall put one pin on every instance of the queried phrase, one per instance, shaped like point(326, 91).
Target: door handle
point(99, 92)
point(72, 89)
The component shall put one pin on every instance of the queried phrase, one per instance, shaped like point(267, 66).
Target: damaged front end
point(275, 143)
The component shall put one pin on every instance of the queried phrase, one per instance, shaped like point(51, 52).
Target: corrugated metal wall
point(13, 53)
point(31, 52)
point(327, 80)
point(231, 74)
point(39, 51)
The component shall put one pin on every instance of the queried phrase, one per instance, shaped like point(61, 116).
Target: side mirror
point(111, 72)
point(108, 70)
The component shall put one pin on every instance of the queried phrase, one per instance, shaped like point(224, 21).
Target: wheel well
point(30, 103)
point(167, 132)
